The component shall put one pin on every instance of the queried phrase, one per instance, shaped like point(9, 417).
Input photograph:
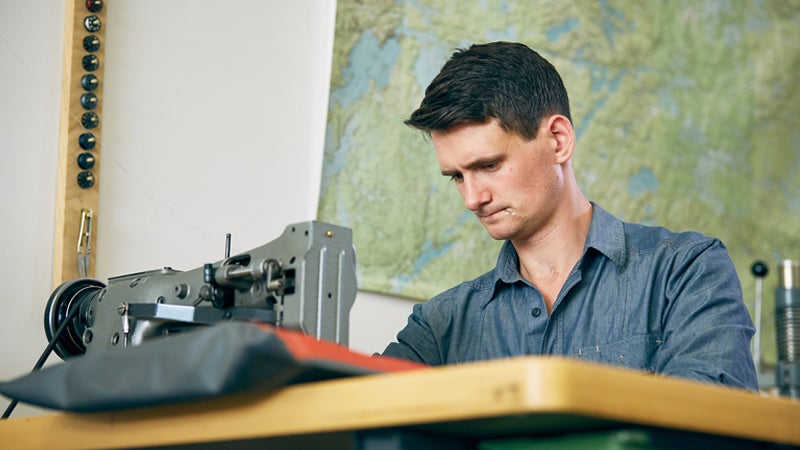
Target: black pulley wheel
point(63, 301)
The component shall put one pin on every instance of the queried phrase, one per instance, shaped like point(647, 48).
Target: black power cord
point(45, 354)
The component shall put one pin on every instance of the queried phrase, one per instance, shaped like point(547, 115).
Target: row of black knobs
point(89, 100)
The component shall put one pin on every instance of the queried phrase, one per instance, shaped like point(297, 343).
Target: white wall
point(213, 122)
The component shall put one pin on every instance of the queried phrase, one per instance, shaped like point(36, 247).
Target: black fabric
point(225, 358)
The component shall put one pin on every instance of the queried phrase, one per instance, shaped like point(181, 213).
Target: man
point(571, 279)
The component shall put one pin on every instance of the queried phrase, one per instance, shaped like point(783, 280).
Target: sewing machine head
point(303, 280)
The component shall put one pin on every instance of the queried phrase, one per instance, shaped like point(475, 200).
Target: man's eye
point(490, 166)
point(456, 177)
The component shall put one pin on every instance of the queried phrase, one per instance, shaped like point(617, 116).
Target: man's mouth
point(498, 213)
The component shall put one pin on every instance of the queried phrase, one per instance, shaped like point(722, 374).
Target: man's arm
point(416, 342)
point(707, 328)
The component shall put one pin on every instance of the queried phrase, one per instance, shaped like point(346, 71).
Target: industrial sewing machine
point(303, 280)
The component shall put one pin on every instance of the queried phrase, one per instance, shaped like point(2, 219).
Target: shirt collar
point(606, 235)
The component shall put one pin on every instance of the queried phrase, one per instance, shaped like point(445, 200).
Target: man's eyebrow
point(449, 173)
point(480, 162)
point(476, 164)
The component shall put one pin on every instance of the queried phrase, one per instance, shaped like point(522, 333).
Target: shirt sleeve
point(417, 341)
point(706, 326)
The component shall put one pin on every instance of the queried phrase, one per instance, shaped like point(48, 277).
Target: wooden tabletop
point(511, 397)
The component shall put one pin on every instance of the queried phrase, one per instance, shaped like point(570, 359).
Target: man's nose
point(474, 193)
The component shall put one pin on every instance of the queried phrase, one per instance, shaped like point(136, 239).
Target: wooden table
point(530, 396)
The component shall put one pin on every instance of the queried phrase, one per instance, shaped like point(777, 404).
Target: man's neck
point(547, 261)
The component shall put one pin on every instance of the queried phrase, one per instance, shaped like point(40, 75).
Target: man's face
point(513, 186)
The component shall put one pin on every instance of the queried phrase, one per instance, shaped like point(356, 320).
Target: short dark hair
point(506, 81)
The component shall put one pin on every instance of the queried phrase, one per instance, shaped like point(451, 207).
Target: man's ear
point(560, 128)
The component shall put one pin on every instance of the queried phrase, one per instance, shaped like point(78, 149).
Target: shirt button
point(536, 312)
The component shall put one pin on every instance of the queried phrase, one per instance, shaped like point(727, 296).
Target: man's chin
point(497, 232)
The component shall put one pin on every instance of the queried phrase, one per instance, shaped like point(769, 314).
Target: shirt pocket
point(635, 352)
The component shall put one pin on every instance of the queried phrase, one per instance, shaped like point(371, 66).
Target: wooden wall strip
point(75, 120)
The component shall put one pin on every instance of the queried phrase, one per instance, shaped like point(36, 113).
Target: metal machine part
point(760, 271)
point(303, 280)
point(787, 328)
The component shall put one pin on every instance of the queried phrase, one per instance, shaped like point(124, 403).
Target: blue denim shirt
point(640, 297)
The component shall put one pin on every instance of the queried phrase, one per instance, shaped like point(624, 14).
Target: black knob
point(87, 141)
point(91, 43)
point(94, 5)
point(85, 160)
point(85, 179)
point(90, 120)
point(90, 63)
point(92, 23)
point(90, 82)
point(89, 101)
point(759, 269)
